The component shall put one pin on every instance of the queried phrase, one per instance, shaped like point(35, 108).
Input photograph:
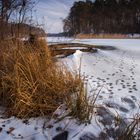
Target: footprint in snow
point(129, 101)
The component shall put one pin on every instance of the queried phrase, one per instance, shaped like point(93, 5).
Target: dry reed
point(32, 85)
point(102, 36)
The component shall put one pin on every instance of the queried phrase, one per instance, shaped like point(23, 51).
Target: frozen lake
point(115, 72)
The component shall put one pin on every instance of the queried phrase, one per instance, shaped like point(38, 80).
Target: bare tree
point(9, 8)
point(6, 9)
point(25, 7)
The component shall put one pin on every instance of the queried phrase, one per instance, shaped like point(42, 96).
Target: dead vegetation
point(32, 85)
point(132, 130)
point(102, 36)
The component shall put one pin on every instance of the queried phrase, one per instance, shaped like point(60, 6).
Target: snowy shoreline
point(117, 72)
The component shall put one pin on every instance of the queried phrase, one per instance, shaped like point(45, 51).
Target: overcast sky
point(52, 12)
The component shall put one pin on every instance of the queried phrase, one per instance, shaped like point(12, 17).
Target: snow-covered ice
point(54, 40)
point(117, 72)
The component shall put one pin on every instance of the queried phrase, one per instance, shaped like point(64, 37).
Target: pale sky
point(52, 12)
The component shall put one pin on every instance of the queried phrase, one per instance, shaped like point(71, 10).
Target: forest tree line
point(103, 16)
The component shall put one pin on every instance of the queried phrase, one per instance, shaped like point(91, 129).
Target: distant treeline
point(103, 16)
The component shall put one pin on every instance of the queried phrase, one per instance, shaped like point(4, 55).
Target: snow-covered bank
point(115, 72)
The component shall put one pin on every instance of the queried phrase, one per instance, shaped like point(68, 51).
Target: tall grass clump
point(32, 84)
point(132, 131)
point(81, 105)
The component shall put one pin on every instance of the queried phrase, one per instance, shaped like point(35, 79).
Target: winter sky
point(52, 12)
